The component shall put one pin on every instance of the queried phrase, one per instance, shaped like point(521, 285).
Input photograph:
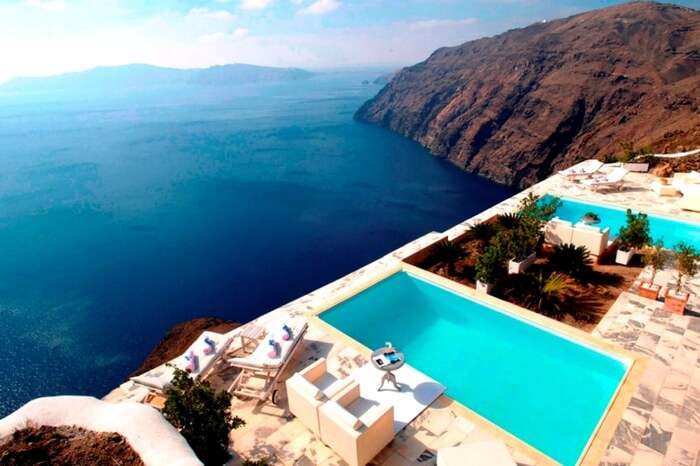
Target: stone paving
point(661, 425)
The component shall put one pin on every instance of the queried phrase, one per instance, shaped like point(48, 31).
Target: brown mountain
point(520, 105)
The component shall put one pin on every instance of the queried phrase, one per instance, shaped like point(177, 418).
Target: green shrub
point(591, 216)
point(202, 416)
point(629, 152)
point(635, 233)
point(574, 261)
point(686, 258)
point(491, 264)
point(518, 243)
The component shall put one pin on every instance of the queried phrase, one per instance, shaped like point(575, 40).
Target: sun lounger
point(206, 354)
point(582, 170)
point(308, 389)
point(260, 371)
point(691, 198)
point(613, 180)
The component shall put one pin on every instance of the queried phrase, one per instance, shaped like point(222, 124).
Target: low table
point(388, 359)
point(250, 337)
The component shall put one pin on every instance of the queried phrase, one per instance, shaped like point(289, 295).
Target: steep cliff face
point(520, 105)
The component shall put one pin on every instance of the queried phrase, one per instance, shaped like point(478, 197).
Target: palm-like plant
point(482, 232)
point(509, 221)
point(571, 260)
point(448, 252)
point(548, 295)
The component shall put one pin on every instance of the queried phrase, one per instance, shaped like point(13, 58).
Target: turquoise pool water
point(670, 231)
point(545, 389)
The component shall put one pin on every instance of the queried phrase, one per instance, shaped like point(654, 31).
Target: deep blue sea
point(123, 214)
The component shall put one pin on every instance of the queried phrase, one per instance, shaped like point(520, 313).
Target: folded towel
point(193, 364)
point(286, 332)
point(210, 346)
point(275, 349)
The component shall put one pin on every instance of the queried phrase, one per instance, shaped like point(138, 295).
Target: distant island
point(148, 76)
point(523, 104)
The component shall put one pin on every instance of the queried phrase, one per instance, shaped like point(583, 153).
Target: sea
point(123, 212)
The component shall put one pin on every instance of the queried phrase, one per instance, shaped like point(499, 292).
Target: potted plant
point(488, 268)
point(590, 218)
point(633, 235)
point(520, 246)
point(686, 263)
point(654, 257)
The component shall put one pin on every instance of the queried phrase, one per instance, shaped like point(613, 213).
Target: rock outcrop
point(180, 337)
point(520, 105)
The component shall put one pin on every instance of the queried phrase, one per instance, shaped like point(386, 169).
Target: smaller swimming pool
point(671, 231)
point(546, 389)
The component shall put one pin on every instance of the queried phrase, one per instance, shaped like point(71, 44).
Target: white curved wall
point(153, 438)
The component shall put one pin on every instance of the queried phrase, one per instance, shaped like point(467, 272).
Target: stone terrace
point(661, 425)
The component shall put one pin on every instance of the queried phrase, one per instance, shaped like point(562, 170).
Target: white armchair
point(591, 237)
point(357, 429)
point(308, 389)
point(558, 231)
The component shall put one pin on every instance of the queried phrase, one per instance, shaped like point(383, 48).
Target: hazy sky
point(40, 37)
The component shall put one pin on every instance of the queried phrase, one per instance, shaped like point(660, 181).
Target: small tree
point(635, 233)
point(491, 264)
point(686, 257)
point(202, 416)
point(655, 257)
point(539, 209)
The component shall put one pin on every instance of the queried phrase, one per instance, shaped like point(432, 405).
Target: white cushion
point(341, 415)
point(305, 387)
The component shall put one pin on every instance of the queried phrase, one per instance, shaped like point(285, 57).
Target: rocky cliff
point(520, 105)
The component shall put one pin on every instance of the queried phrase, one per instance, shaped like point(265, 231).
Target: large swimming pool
point(541, 387)
point(671, 231)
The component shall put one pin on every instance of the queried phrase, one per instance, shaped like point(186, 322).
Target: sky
point(46, 37)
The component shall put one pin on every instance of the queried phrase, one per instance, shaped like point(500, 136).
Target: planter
point(636, 167)
point(482, 287)
point(675, 301)
point(520, 267)
point(624, 257)
point(649, 291)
